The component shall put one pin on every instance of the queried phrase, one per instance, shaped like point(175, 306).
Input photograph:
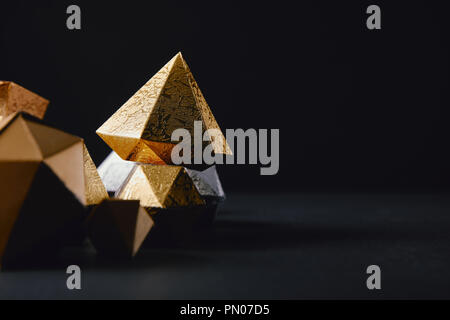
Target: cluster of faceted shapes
point(52, 194)
point(141, 130)
point(177, 199)
point(47, 183)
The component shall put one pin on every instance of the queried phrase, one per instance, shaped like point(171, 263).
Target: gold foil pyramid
point(141, 129)
point(15, 98)
point(161, 186)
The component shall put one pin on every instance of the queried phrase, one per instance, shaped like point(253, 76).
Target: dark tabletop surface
point(276, 246)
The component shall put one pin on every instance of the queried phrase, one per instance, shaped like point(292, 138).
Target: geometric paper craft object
point(114, 171)
point(118, 227)
point(208, 183)
point(141, 129)
point(46, 179)
point(161, 186)
point(28, 141)
point(15, 98)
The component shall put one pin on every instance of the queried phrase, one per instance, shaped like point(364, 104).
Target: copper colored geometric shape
point(25, 138)
point(141, 129)
point(160, 186)
point(118, 227)
point(14, 98)
point(46, 180)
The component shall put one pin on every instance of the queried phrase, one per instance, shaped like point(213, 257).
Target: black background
point(357, 109)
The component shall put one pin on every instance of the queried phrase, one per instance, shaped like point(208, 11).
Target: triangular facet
point(50, 140)
point(123, 146)
point(207, 182)
point(162, 150)
point(138, 188)
point(48, 212)
point(68, 167)
point(125, 217)
point(95, 190)
point(114, 171)
point(21, 99)
point(5, 121)
point(202, 185)
point(161, 179)
point(130, 119)
point(17, 142)
point(4, 90)
point(133, 222)
point(143, 153)
point(119, 227)
point(183, 193)
point(176, 107)
point(220, 145)
point(103, 229)
point(170, 100)
point(143, 225)
point(12, 195)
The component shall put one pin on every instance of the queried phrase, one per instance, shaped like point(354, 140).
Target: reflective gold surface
point(15, 98)
point(95, 190)
point(141, 129)
point(161, 186)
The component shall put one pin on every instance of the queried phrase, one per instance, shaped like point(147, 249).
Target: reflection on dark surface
point(276, 246)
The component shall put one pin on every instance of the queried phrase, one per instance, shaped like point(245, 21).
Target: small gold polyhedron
point(47, 179)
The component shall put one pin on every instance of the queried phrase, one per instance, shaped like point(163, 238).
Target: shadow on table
point(260, 235)
point(250, 235)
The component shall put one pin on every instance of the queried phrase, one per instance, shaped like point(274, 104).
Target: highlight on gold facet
point(95, 190)
point(141, 129)
point(161, 186)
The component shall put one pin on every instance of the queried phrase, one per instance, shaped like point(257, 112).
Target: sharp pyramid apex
point(170, 100)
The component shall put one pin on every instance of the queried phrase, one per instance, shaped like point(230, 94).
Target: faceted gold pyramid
point(141, 129)
point(161, 186)
point(15, 98)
